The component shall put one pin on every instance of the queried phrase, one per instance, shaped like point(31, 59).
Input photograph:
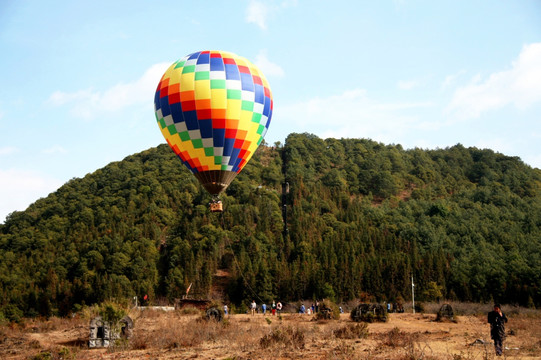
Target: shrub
point(398, 338)
point(446, 313)
point(369, 313)
point(111, 312)
point(288, 337)
point(328, 310)
point(419, 307)
point(352, 331)
point(12, 313)
point(61, 353)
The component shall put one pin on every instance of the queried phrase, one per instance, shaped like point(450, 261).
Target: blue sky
point(77, 78)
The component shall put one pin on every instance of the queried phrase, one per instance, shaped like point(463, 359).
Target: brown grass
point(177, 335)
point(286, 337)
point(397, 338)
point(352, 331)
point(172, 332)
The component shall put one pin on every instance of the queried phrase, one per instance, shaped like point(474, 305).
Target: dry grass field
point(184, 335)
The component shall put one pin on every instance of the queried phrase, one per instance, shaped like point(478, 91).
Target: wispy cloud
point(408, 85)
point(451, 79)
point(60, 98)
point(56, 149)
point(8, 150)
point(353, 114)
point(267, 67)
point(87, 103)
point(398, 4)
point(258, 12)
point(519, 86)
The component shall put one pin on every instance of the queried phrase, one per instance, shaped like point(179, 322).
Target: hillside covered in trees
point(362, 218)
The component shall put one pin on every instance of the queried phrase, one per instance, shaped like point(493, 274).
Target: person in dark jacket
point(497, 320)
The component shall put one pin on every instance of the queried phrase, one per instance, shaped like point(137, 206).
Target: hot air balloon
point(213, 108)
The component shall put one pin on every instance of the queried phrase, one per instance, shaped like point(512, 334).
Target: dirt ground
point(176, 335)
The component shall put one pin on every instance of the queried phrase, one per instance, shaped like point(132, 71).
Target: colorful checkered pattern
point(213, 108)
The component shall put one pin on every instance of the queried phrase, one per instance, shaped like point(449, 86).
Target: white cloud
point(398, 4)
point(59, 98)
point(55, 149)
point(257, 13)
point(519, 86)
point(87, 103)
point(267, 67)
point(352, 114)
point(407, 85)
point(8, 150)
point(451, 79)
point(20, 188)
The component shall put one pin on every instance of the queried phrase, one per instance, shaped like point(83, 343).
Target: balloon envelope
point(213, 108)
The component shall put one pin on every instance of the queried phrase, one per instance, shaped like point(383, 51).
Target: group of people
point(275, 307)
point(311, 310)
point(395, 307)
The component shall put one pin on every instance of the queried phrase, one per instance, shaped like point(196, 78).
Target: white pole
point(412, 293)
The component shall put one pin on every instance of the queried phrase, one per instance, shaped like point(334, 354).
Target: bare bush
point(352, 331)
point(284, 337)
point(343, 351)
point(398, 338)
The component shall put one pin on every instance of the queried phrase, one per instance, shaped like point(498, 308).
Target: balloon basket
point(216, 206)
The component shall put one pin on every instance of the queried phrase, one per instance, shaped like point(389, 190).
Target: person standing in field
point(253, 307)
point(264, 308)
point(497, 320)
point(279, 307)
point(273, 308)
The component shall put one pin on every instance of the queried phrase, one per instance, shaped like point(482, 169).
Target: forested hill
point(362, 217)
